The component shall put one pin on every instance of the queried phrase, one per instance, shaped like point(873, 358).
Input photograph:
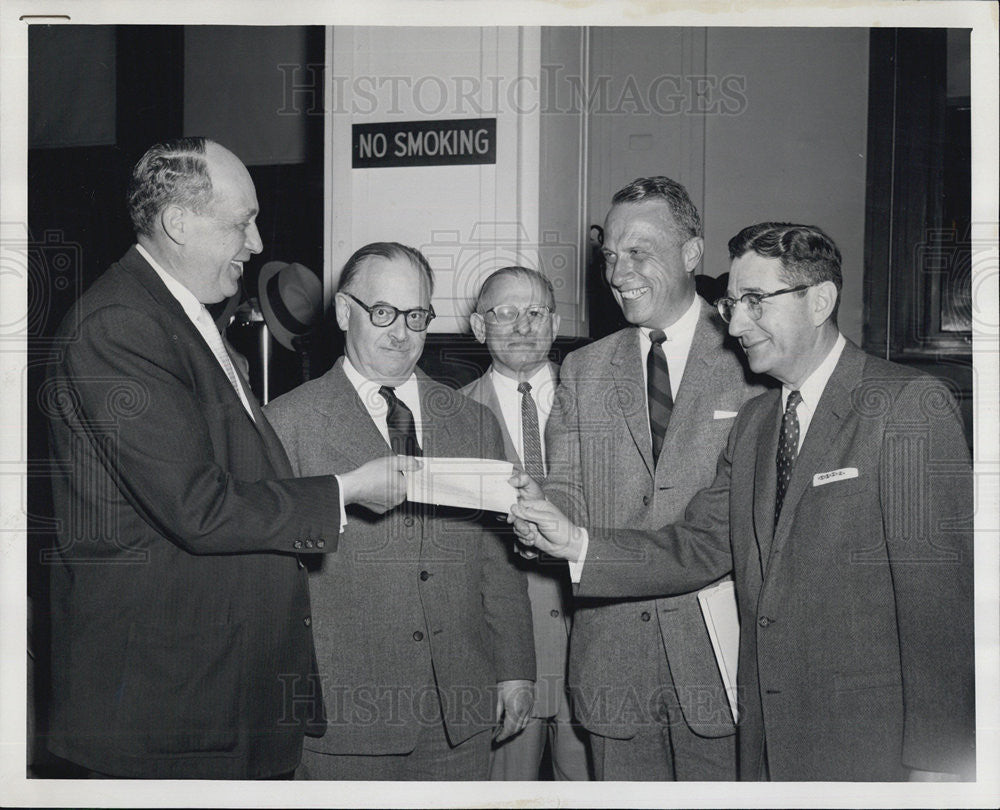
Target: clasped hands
point(539, 525)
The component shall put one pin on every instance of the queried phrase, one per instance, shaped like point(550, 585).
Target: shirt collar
point(368, 389)
point(192, 306)
point(683, 328)
point(538, 381)
point(814, 385)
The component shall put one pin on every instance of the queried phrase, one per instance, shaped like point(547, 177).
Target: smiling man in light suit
point(515, 316)
point(843, 504)
point(422, 624)
point(635, 433)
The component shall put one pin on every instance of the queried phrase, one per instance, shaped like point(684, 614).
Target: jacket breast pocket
point(179, 692)
point(843, 488)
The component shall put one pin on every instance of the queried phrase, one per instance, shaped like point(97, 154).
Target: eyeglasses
point(751, 301)
point(416, 320)
point(507, 314)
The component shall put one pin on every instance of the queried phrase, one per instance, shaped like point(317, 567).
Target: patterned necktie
point(399, 419)
point(661, 402)
point(788, 449)
point(211, 334)
point(530, 438)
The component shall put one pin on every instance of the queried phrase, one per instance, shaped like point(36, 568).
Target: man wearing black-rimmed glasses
point(422, 625)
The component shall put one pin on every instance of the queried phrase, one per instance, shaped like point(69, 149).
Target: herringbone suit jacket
point(421, 603)
point(601, 473)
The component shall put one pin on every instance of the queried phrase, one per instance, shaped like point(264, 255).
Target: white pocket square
point(724, 414)
point(834, 475)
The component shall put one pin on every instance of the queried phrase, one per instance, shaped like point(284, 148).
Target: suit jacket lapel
point(487, 395)
point(436, 438)
point(135, 264)
point(339, 403)
point(627, 373)
point(766, 476)
point(695, 386)
point(833, 406)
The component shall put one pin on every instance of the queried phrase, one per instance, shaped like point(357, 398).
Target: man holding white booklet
point(639, 419)
point(843, 505)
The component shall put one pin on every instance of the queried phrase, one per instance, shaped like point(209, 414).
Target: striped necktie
point(399, 420)
point(661, 401)
point(530, 439)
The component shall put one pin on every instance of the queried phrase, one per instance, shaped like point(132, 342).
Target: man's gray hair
point(173, 172)
point(516, 271)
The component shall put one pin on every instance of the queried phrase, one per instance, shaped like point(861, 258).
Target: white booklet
point(471, 483)
point(718, 606)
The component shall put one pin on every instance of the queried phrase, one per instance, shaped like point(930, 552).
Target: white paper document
point(471, 483)
point(718, 606)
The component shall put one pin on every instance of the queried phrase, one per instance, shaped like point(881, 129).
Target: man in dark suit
point(180, 614)
point(422, 624)
point(843, 504)
point(635, 433)
point(515, 316)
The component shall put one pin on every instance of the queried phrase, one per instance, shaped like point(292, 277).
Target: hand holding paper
point(471, 483)
point(539, 524)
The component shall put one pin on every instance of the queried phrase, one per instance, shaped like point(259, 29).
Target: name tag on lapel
point(834, 475)
point(724, 414)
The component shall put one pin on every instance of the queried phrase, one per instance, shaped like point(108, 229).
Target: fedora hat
point(291, 300)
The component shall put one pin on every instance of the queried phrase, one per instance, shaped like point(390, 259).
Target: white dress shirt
point(812, 389)
point(543, 391)
point(193, 308)
point(378, 408)
point(676, 348)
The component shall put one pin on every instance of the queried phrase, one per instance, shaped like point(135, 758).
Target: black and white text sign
point(424, 143)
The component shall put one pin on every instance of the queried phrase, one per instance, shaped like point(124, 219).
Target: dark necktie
point(530, 438)
point(788, 449)
point(399, 419)
point(661, 402)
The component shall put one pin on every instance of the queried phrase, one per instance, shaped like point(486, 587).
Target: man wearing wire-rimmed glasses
point(515, 317)
point(422, 625)
point(843, 505)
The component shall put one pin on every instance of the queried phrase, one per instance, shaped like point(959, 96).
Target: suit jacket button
point(645, 500)
point(418, 636)
point(764, 621)
point(408, 521)
point(554, 613)
point(644, 616)
point(307, 621)
point(297, 544)
point(309, 543)
point(321, 543)
point(424, 576)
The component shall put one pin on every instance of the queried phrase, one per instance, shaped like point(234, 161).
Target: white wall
point(562, 176)
point(765, 123)
point(797, 151)
point(468, 219)
point(758, 124)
